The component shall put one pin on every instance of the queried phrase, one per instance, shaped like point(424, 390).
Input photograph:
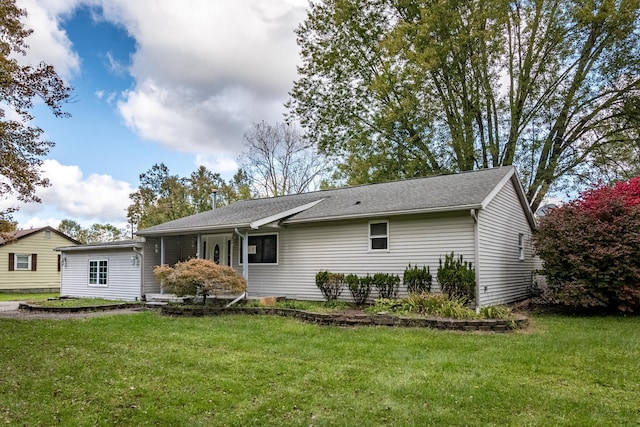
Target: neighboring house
point(112, 270)
point(28, 261)
point(279, 244)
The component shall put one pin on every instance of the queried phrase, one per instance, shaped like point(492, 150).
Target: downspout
point(245, 264)
point(476, 249)
point(141, 270)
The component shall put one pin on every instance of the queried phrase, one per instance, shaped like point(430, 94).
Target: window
point(521, 247)
point(24, 262)
point(263, 249)
point(379, 235)
point(98, 272)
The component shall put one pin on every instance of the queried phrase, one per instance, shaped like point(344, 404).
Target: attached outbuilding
point(110, 270)
point(280, 243)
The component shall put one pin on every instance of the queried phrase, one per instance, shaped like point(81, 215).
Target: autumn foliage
point(200, 277)
point(591, 248)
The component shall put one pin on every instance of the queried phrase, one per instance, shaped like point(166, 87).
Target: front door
point(217, 248)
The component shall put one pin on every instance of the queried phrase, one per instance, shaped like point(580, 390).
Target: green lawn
point(28, 297)
point(145, 369)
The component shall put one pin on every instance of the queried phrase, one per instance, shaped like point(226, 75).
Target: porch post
point(198, 251)
point(245, 256)
point(162, 261)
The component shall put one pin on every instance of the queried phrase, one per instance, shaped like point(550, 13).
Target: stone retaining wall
point(357, 319)
point(30, 307)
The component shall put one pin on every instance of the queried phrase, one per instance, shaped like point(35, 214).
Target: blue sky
point(155, 81)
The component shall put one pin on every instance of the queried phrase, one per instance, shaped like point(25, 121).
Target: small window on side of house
point(379, 236)
point(521, 247)
point(23, 262)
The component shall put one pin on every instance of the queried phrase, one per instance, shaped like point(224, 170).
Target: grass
point(145, 369)
point(28, 297)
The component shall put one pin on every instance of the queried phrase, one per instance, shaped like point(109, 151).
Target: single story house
point(28, 261)
point(280, 243)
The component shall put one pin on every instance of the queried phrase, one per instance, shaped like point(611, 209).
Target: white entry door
point(218, 248)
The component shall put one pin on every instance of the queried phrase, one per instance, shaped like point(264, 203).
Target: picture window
point(262, 249)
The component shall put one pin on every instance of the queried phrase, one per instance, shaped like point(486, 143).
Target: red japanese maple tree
point(591, 248)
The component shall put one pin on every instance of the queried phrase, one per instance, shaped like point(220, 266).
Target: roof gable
point(466, 190)
point(21, 234)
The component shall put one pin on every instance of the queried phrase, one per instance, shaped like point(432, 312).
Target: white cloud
point(71, 195)
point(226, 166)
point(205, 70)
point(48, 42)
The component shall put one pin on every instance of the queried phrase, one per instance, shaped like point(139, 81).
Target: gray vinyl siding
point(151, 260)
point(504, 278)
point(343, 247)
point(123, 278)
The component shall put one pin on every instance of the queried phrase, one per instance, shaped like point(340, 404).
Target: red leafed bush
point(591, 248)
point(200, 277)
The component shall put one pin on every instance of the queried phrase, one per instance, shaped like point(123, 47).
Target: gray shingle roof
point(432, 194)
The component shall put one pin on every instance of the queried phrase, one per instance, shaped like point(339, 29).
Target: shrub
point(330, 284)
point(439, 305)
point(387, 285)
point(387, 305)
point(417, 280)
point(496, 312)
point(360, 287)
point(199, 277)
point(296, 305)
point(590, 248)
point(457, 277)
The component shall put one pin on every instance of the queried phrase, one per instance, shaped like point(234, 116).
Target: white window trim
point(521, 246)
point(260, 263)
point(15, 262)
point(380, 221)
point(97, 285)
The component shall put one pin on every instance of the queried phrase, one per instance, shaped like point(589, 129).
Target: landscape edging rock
point(342, 319)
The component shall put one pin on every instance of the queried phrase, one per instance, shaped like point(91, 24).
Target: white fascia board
point(460, 208)
point(498, 187)
point(260, 222)
point(89, 247)
point(191, 230)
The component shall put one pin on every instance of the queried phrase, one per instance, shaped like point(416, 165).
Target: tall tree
point(278, 161)
point(93, 234)
point(105, 233)
point(417, 87)
point(21, 148)
point(73, 229)
point(163, 197)
point(204, 184)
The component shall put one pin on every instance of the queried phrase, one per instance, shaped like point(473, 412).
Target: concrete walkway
point(9, 305)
